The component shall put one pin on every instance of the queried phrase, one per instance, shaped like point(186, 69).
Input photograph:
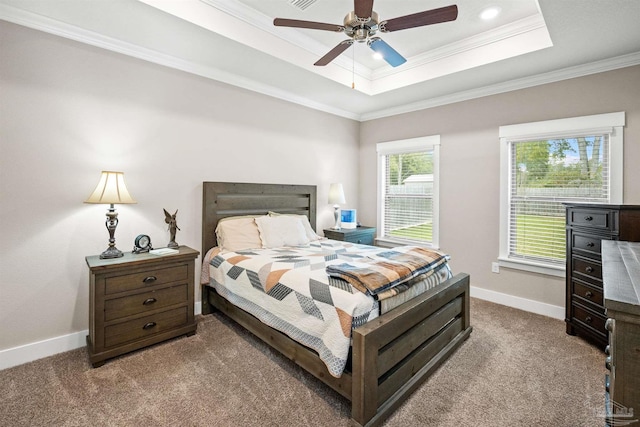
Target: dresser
point(361, 235)
point(621, 279)
point(587, 225)
point(138, 300)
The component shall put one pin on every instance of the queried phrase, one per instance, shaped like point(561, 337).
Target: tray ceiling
point(234, 41)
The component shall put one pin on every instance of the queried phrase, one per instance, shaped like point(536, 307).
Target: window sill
point(533, 267)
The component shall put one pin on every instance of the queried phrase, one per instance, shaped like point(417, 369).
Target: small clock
point(142, 244)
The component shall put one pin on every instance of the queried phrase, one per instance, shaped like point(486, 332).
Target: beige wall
point(470, 164)
point(70, 110)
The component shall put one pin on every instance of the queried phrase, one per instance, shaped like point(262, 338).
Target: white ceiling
point(531, 42)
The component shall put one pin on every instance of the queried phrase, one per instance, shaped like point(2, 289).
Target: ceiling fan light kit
point(363, 23)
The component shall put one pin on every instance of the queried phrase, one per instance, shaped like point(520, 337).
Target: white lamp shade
point(336, 194)
point(111, 190)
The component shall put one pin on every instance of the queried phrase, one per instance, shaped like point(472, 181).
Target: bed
point(389, 355)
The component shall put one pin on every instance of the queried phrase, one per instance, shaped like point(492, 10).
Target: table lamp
point(111, 190)
point(336, 197)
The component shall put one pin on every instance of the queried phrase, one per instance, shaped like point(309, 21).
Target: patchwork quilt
point(289, 289)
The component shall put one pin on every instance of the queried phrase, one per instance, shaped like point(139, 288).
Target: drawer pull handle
point(149, 325)
point(149, 279)
point(588, 218)
point(607, 363)
point(607, 350)
point(587, 294)
point(149, 301)
point(588, 319)
point(591, 244)
point(589, 269)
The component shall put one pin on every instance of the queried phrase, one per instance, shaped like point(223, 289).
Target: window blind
point(544, 174)
point(408, 206)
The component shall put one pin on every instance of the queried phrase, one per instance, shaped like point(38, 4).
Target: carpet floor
point(516, 369)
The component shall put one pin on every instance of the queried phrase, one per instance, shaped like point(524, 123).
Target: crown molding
point(72, 32)
point(51, 26)
point(610, 64)
point(509, 31)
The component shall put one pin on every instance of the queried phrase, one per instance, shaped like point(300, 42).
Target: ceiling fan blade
point(334, 53)
point(280, 22)
point(388, 53)
point(363, 8)
point(435, 16)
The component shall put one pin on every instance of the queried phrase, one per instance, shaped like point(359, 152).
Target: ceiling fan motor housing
point(360, 29)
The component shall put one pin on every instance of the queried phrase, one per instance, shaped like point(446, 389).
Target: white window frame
point(409, 146)
point(610, 123)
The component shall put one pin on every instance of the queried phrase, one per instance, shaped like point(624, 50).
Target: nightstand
point(138, 300)
point(361, 235)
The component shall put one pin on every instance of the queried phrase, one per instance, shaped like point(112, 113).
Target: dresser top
point(621, 276)
point(600, 206)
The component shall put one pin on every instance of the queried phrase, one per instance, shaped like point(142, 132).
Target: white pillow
point(311, 235)
point(281, 230)
point(238, 233)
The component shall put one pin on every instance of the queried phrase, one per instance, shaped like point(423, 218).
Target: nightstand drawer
point(360, 235)
point(601, 220)
point(361, 239)
point(140, 280)
point(147, 301)
point(144, 326)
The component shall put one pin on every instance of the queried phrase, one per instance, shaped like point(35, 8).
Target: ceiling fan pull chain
point(353, 68)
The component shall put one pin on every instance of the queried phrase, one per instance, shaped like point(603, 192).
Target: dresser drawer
point(142, 279)
point(590, 270)
point(596, 219)
point(590, 319)
point(588, 293)
point(588, 242)
point(140, 303)
point(144, 326)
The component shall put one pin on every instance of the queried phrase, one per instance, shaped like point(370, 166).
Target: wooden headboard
point(225, 199)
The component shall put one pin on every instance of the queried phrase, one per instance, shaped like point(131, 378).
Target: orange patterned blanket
point(381, 271)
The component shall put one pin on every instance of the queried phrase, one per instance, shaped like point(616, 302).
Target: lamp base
point(111, 252)
point(336, 214)
point(111, 224)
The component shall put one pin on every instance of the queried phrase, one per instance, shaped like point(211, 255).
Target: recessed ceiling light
point(490, 13)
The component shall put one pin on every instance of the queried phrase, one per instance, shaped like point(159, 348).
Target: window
point(544, 165)
point(408, 191)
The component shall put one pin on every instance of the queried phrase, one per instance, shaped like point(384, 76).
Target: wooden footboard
point(391, 355)
point(395, 353)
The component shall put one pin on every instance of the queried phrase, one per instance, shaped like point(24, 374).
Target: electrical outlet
point(495, 267)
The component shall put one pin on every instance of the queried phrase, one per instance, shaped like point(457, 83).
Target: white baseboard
point(29, 352)
point(37, 350)
point(524, 304)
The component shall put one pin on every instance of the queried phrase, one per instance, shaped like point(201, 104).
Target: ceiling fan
point(362, 24)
